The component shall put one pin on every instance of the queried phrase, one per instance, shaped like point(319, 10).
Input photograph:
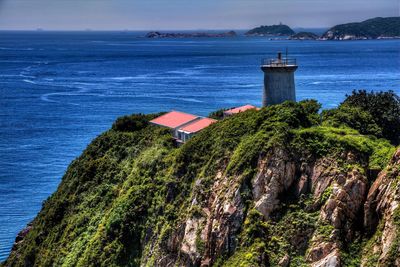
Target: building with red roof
point(183, 125)
point(174, 119)
point(237, 110)
point(188, 131)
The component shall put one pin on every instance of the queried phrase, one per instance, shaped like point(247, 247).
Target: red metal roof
point(239, 109)
point(198, 125)
point(174, 119)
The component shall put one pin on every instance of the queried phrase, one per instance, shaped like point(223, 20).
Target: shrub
point(311, 108)
point(132, 122)
point(254, 227)
point(353, 117)
point(218, 114)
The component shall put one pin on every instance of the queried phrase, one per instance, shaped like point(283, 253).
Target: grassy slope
point(129, 187)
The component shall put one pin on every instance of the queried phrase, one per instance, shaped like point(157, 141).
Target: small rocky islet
point(156, 34)
point(304, 36)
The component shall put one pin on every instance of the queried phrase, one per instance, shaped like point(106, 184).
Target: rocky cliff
point(282, 186)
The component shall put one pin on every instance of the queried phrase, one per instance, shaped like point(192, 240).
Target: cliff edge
point(281, 186)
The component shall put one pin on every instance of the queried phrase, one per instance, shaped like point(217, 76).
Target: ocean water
point(59, 90)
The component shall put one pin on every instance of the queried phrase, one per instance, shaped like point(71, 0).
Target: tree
point(384, 108)
point(130, 123)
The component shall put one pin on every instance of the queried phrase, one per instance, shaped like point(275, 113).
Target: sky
point(186, 14)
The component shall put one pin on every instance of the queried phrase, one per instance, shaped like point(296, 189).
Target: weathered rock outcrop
point(382, 214)
point(339, 190)
point(276, 174)
point(213, 224)
point(343, 193)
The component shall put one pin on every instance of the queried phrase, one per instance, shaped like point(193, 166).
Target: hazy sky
point(186, 14)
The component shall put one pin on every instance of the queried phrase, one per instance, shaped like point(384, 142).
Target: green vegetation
point(384, 107)
point(255, 228)
point(394, 248)
point(250, 256)
point(133, 122)
point(351, 253)
point(325, 230)
point(280, 29)
point(129, 192)
point(353, 117)
point(371, 257)
point(323, 141)
point(291, 233)
point(218, 114)
point(326, 195)
point(368, 29)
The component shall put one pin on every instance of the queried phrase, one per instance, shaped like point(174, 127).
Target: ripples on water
point(60, 90)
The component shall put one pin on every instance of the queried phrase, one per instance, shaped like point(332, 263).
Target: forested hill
point(272, 30)
point(285, 185)
point(369, 29)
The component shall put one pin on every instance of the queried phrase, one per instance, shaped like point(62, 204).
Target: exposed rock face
point(382, 207)
point(342, 193)
point(344, 205)
point(284, 262)
point(213, 229)
point(329, 260)
point(276, 174)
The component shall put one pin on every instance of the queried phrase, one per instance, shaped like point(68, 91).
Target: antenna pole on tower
point(286, 55)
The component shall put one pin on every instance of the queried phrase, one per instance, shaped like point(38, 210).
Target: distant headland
point(376, 28)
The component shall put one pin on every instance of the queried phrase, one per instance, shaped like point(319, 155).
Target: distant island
point(155, 34)
point(272, 30)
point(304, 36)
point(376, 28)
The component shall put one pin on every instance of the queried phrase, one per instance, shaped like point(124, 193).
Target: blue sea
point(59, 90)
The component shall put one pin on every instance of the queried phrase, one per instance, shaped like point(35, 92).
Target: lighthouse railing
point(278, 62)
